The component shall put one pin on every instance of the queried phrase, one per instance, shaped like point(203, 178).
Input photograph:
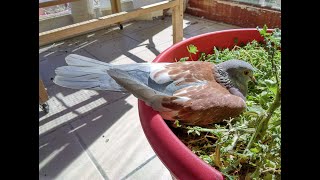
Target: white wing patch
point(181, 92)
point(160, 78)
point(181, 100)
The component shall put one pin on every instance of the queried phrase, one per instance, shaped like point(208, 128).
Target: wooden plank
point(96, 24)
point(43, 95)
point(47, 3)
point(115, 6)
point(177, 22)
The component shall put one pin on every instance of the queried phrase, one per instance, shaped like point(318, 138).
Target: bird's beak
point(253, 80)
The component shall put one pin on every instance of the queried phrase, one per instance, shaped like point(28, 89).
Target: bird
point(193, 92)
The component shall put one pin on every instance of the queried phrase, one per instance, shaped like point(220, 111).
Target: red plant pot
point(180, 161)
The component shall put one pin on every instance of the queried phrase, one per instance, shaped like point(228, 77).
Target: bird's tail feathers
point(85, 73)
point(82, 61)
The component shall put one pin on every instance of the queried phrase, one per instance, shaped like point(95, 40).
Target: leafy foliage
point(249, 146)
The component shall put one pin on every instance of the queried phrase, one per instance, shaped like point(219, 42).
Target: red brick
point(237, 14)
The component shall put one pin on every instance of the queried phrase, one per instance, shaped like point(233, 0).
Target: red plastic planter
point(180, 161)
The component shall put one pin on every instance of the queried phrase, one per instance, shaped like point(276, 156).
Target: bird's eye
point(246, 72)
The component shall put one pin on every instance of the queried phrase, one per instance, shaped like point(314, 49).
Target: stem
point(253, 137)
point(256, 173)
point(217, 160)
point(264, 120)
point(196, 140)
point(229, 168)
point(274, 66)
point(234, 142)
point(212, 131)
point(202, 55)
point(212, 137)
point(234, 139)
point(276, 104)
point(190, 56)
point(247, 54)
point(272, 169)
point(215, 131)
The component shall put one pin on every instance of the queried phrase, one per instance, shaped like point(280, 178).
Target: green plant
point(249, 146)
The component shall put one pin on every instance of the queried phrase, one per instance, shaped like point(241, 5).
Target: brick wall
point(242, 15)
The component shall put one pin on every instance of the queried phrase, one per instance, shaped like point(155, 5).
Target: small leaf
point(190, 131)
point(254, 150)
point(192, 49)
point(177, 123)
point(276, 123)
point(198, 133)
point(268, 177)
point(265, 27)
point(273, 89)
point(264, 93)
point(251, 113)
point(271, 163)
point(216, 52)
point(256, 109)
point(183, 59)
point(269, 82)
point(206, 158)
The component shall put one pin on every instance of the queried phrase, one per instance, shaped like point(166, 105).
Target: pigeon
point(193, 92)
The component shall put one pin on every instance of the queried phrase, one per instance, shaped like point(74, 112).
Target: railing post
point(177, 22)
point(116, 8)
point(43, 96)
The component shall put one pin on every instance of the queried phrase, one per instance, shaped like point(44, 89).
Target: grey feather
point(73, 71)
point(145, 67)
point(80, 84)
point(85, 73)
point(140, 90)
point(235, 64)
point(141, 72)
point(82, 61)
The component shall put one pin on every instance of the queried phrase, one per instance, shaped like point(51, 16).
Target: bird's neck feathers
point(231, 82)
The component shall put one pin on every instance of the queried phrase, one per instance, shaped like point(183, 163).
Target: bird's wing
point(169, 78)
point(156, 82)
point(195, 97)
point(140, 90)
point(204, 104)
point(183, 72)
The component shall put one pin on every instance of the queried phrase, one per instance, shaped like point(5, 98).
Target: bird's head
point(239, 73)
